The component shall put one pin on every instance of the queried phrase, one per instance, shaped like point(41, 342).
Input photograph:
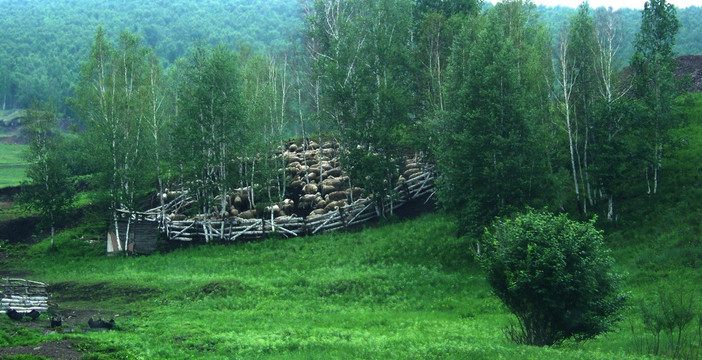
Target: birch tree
point(110, 97)
point(566, 77)
point(363, 62)
point(212, 127)
point(48, 188)
point(613, 117)
point(654, 82)
point(157, 120)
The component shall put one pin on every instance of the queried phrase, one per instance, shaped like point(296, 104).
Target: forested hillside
point(43, 42)
point(687, 42)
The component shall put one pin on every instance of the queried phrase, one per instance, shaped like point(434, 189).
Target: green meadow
point(12, 165)
point(401, 290)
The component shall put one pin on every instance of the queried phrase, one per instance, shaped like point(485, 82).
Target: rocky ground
point(692, 65)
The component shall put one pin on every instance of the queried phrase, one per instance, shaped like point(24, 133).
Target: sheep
point(337, 195)
point(335, 172)
point(334, 205)
point(248, 214)
point(310, 189)
point(326, 188)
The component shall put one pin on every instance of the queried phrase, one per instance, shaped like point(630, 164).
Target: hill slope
point(399, 291)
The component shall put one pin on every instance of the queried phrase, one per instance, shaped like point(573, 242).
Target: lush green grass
point(12, 165)
point(402, 291)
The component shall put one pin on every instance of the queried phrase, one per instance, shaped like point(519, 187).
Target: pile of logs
point(23, 295)
point(321, 197)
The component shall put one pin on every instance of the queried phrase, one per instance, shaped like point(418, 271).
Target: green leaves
point(48, 189)
point(555, 275)
point(489, 150)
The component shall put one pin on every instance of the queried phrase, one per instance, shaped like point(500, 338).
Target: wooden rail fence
point(418, 186)
point(23, 295)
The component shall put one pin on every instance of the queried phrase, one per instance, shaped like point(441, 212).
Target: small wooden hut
point(143, 235)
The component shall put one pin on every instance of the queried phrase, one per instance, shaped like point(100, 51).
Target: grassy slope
point(401, 291)
point(12, 166)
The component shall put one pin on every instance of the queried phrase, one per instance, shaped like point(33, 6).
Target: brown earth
point(62, 349)
point(691, 65)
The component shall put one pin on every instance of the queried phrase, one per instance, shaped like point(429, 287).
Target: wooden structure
point(419, 186)
point(23, 295)
point(143, 234)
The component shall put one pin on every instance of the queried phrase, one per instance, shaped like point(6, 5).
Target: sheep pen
point(319, 197)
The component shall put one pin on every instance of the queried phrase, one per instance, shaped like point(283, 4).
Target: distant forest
point(44, 41)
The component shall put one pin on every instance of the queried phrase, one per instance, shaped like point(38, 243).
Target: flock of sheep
point(317, 185)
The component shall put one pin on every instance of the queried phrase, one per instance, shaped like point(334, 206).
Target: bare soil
point(691, 65)
point(62, 349)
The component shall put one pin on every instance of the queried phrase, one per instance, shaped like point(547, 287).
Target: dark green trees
point(210, 127)
point(362, 60)
point(113, 99)
point(555, 275)
point(48, 189)
point(654, 83)
point(490, 152)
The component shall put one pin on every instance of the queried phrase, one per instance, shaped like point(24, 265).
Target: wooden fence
point(23, 295)
point(419, 186)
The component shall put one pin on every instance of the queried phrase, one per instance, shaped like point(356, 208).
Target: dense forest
point(548, 116)
point(513, 113)
point(43, 42)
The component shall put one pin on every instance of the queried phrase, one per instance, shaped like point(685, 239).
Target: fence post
point(342, 215)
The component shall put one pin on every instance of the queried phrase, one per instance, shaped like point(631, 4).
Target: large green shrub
point(555, 275)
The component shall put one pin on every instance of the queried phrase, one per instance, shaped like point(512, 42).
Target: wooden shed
point(143, 235)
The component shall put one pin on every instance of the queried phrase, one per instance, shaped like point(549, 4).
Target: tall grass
point(408, 290)
point(12, 164)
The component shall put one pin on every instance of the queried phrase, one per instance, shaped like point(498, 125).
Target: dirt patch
point(72, 291)
point(691, 65)
point(76, 321)
point(19, 230)
point(12, 140)
point(62, 349)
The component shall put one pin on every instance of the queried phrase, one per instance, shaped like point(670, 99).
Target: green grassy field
point(406, 290)
point(12, 166)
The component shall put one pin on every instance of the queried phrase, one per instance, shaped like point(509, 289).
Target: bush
point(554, 275)
point(670, 328)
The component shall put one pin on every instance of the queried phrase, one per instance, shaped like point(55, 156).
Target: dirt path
point(62, 349)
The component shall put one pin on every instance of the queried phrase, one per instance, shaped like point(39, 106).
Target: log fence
point(23, 295)
point(417, 186)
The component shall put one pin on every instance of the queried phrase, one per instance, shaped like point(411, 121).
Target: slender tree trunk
point(126, 234)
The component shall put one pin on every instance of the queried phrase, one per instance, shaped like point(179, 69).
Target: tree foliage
point(48, 189)
point(113, 100)
point(555, 275)
point(654, 83)
point(363, 63)
point(210, 127)
point(490, 151)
